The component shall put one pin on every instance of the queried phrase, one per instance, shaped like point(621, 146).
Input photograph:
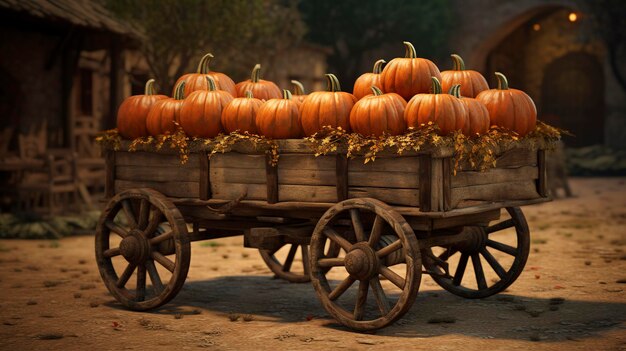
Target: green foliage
point(175, 34)
point(28, 226)
point(354, 27)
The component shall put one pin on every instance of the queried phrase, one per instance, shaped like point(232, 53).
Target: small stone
point(587, 263)
point(78, 295)
point(49, 336)
point(87, 286)
point(233, 317)
point(366, 341)
point(178, 316)
point(621, 281)
point(31, 302)
point(94, 304)
point(248, 318)
point(82, 261)
point(51, 283)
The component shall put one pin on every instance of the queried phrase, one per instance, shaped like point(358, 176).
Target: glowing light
point(536, 27)
point(573, 17)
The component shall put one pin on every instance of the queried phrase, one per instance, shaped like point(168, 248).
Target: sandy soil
point(52, 296)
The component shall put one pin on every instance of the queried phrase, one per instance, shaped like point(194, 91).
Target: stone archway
point(573, 97)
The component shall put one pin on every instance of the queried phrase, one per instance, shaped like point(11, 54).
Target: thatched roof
point(84, 13)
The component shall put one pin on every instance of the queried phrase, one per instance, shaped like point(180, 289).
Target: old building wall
point(37, 88)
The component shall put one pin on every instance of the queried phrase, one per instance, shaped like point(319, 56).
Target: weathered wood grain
point(518, 190)
point(157, 174)
point(150, 159)
point(341, 175)
point(542, 184)
point(171, 189)
point(271, 177)
point(204, 176)
point(517, 158)
point(425, 181)
point(494, 175)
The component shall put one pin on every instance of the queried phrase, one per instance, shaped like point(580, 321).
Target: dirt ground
point(52, 297)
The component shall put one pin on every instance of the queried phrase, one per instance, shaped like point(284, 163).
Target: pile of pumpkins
point(207, 103)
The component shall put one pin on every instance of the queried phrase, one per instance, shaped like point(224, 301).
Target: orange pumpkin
point(279, 118)
point(410, 75)
point(363, 84)
point(327, 108)
point(509, 108)
point(477, 114)
point(298, 92)
point(261, 89)
point(378, 114)
point(201, 113)
point(240, 114)
point(444, 110)
point(164, 116)
point(197, 81)
point(132, 114)
point(472, 82)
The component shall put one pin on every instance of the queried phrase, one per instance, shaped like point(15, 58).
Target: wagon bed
point(392, 211)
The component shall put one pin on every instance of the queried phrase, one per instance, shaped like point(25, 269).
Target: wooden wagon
point(365, 232)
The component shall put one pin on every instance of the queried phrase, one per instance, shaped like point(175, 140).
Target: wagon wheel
point(379, 251)
point(504, 251)
point(285, 270)
point(136, 233)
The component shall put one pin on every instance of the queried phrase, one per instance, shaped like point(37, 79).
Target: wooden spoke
point(341, 288)
point(330, 262)
point(141, 283)
point(379, 294)
point(153, 223)
point(448, 253)
point(500, 226)
point(355, 215)
point(123, 279)
point(361, 299)
point(479, 272)
point(128, 211)
point(163, 261)
point(161, 238)
point(305, 259)
point(154, 276)
point(144, 213)
point(493, 263)
point(290, 256)
point(385, 251)
point(392, 276)
point(334, 236)
point(116, 228)
point(502, 247)
point(377, 229)
point(111, 252)
point(460, 269)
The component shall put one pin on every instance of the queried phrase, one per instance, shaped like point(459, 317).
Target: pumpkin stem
point(409, 50)
point(456, 91)
point(436, 85)
point(286, 94)
point(203, 66)
point(376, 91)
point(333, 83)
point(256, 73)
point(149, 90)
point(503, 83)
point(298, 88)
point(378, 66)
point(179, 92)
point(211, 84)
point(249, 94)
point(459, 64)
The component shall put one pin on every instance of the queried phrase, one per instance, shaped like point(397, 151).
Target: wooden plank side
point(171, 189)
point(149, 159)
point(425, 174)
point(237, 160)
point(161, 174)
point(408, 164)
point(494, 175)
point(517, 158)
point(448, 173)
point(271, 177)
point(542, 184)
point(341, 173)
point(436, 184)
point(306, 193)
point(313, 177)
point(519, 190)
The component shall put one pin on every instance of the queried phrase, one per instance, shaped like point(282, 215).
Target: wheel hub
point(477, 239)
point(135, 248)
point(361, 262)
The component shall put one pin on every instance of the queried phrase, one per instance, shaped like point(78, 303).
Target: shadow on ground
point(435, 312)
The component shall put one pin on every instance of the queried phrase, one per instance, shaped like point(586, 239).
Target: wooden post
point(205, 176)
point(542, 186)
point(448, 169)
point(425, 178)
point(271, 173)
point(341, 170)
point(116, 81)
point(109, 182)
